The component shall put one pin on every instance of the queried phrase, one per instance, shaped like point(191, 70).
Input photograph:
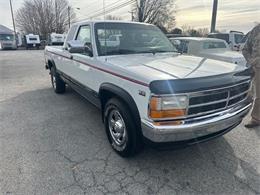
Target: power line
point(114, 8)
point(111, 9)
point(107, 7)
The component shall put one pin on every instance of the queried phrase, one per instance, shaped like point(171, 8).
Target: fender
point(48, 66)
point(108, 89)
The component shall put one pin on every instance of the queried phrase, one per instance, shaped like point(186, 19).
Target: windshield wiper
point(154, 51)
point(126, 51)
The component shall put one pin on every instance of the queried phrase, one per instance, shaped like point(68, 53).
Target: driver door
point(79, 69)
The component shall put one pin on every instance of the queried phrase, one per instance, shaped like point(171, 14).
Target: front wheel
point(122, 131)
point(58, 84)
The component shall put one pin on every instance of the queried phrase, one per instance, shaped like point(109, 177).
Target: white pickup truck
point(146, 91)
point(215, 49)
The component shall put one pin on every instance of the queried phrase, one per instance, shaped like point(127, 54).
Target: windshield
point(126, 38)
point(214, 45)
point(239, 38)
point(6, 37)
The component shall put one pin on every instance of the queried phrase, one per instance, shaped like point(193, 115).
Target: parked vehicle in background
point(208, 48)
point(20, 41)
point(56, 39)
point(7, 38)
point(112, 41)
point(7, 41)
point(243, 42)
point(32, 41)
point(145, 90)
point(233, 38)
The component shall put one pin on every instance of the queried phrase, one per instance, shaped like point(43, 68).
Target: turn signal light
point(167, 113)
point(167, 107)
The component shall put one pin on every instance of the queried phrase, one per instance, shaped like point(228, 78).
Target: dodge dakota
point(146, 91)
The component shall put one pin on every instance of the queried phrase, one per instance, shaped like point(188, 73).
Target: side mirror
point(79, 47)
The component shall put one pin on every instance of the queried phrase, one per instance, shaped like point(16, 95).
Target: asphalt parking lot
point(56, 144)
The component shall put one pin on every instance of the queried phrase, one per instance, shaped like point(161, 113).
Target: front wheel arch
point(109, 90)
point(50, 64)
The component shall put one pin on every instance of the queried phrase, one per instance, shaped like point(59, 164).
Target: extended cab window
point(84, 35)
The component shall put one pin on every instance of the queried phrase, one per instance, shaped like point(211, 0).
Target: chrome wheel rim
point(117, 128)
point(53, 81)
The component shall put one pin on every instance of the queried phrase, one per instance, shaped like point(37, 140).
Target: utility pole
point(12, 13)
point(69, 15)
point(56, 17)
point(214, 16)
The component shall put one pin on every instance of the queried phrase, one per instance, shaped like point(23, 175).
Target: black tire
point(133, 144)
point(58, 84)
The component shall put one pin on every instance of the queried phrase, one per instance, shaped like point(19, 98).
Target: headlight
point(168, 106)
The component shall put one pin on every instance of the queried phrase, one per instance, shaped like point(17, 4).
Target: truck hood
point(172, 66)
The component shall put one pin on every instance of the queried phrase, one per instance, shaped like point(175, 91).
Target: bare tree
point(176, 31)
point(112, 17)
point(158, 12)
point(203, 32)
point(44, 16)
point(190, 31)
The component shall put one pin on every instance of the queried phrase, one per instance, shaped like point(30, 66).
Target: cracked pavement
point(56, 144)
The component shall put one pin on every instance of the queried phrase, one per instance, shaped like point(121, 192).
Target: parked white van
point(7, 38)
point(32, 41)
point(56, 39)
point(233, 38)
point(7, 41)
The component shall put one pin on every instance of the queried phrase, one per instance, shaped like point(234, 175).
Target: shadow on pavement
point(38, 123)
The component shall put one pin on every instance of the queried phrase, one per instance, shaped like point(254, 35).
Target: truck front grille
point(207, 102)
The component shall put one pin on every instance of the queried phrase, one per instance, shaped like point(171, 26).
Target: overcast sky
point(238, 15)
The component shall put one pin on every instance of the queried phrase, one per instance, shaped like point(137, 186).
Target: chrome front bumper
point(197, 127)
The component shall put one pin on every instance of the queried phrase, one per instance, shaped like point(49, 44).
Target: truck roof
point(108, 21)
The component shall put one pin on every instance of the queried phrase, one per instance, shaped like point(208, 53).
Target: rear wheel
point(58, 84)
point(122, 131)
